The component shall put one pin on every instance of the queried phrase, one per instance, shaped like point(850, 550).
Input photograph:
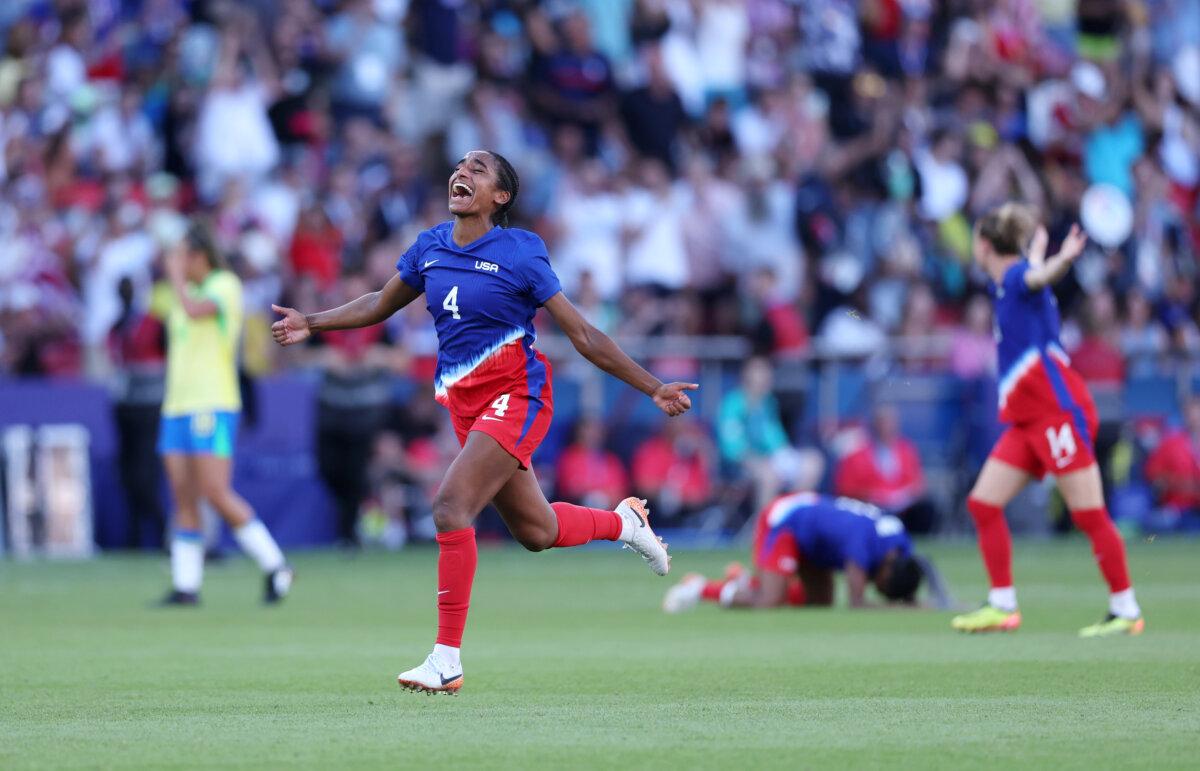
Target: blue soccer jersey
point(482, 296)
point(829, 532)
point(1035, 373)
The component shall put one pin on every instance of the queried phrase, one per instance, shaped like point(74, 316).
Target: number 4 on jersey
point(500, 405)
point(451, 302)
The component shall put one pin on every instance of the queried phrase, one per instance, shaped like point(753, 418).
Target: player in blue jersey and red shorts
point(1051, 421)
point(800, 541)
point(483, 282)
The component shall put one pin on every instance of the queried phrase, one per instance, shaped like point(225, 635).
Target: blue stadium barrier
point(1152, 396)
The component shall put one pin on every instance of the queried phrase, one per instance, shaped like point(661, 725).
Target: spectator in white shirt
point(66, 70)
point(129, 252)
point(943, 180)
point(656, 254)
point(722, 32)
point(121, 137)
point(234, 137)
point(589, 219)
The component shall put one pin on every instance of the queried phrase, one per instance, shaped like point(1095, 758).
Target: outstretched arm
point(599, 349)
point(295, 327)
point(1052, 270)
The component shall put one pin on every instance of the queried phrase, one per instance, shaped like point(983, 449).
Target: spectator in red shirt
point(674, 470)
point(886, 471)
point(588, 474)
point(1174, 470)
point(1102, 364)
point(1098, 357)
point(316, 248)
point(779, 328)
point(137, 344)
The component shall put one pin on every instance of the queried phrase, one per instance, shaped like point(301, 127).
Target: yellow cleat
point(987, 619)
point(1112, 626)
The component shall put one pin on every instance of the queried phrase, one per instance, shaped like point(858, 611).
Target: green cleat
point(987, 619)
point(1112, 626)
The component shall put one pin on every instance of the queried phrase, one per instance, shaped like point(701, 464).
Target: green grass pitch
point(571, 664)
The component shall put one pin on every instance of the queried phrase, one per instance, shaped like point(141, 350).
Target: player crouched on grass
point(800, 541)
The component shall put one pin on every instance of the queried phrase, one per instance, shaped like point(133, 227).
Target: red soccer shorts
point(1057, 444)
point(781, 555)
point(506, 399)
point(783, 558)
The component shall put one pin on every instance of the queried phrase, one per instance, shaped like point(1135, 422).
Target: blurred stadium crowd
point(800, 175)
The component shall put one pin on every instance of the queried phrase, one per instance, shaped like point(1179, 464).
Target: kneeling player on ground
point(800, 541)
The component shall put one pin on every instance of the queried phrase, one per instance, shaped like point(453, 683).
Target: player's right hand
point(672, 398)
point(1073, 244)
point(292, 328)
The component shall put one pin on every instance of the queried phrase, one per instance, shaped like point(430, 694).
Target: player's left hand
point(672, 398)
point(292, 328)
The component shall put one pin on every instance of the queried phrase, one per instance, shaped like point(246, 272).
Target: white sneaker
point(278, 584)
point(638, 536)
point(433, 676)
point(684, 595)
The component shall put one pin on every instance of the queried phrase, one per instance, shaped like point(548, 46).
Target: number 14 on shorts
point(499, 407)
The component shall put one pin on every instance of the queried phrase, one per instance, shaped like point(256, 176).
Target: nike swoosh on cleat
point(448, 680)
point(430, 262)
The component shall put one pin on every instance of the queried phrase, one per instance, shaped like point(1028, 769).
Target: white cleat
point(684, 595)
point(433, 676)
point(638, 536)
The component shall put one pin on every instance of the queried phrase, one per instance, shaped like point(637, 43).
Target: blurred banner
point(48, 501)
point(274, 467)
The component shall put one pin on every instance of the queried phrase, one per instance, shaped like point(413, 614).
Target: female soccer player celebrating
point(1051, 421)
point(482, 283)
point(200, 417)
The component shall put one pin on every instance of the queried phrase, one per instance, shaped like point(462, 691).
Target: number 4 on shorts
point(500, 405)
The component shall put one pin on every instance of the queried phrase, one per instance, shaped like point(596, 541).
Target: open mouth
point(461, 191)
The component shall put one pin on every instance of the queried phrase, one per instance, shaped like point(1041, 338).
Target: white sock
point(1004, 598)
point(1124, 604)
point(187, 561)
point(254, 540)
point(449, 656)
point(626, 530)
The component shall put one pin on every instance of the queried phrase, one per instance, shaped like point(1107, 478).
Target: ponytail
point(508, 182)
point(1008, 228)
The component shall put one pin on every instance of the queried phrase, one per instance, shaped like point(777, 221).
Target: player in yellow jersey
point(203, 315)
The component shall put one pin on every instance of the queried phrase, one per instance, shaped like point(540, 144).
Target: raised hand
point(672, 398)
point(292, 328)
point(1073, 244)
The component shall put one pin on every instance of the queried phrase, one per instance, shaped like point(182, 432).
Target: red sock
point(712, 591)
point(795, 592)
point(457, 557)
point(995, 543)
point(1106, 545)
point(578, 524)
